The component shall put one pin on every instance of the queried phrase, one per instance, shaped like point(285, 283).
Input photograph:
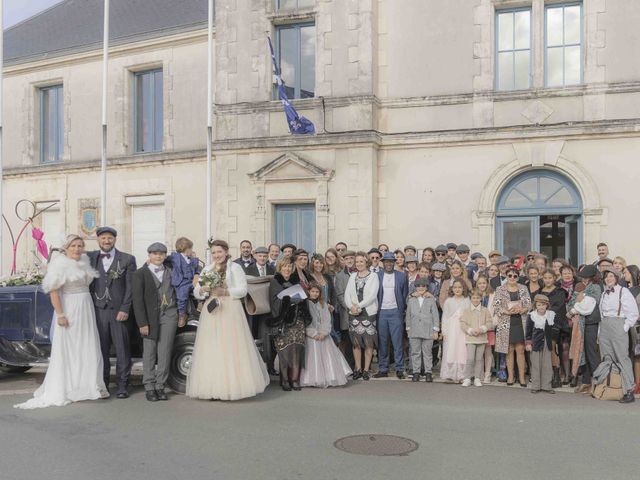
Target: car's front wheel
point(181, 361)
point(12, 368)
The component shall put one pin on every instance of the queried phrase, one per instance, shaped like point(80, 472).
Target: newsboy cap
point(476, 255)
point(373, 250)
point(411, 258)
point(421, 282)
point(157, 247)
point(602, 260)
point(101, 230)
point(502, 259)
point(588, 271)
point(451, 245)
point(462, 248)
point(441, 249)
point(410, 247)
point(261, 250)
point(539, 298)
point(438, 267)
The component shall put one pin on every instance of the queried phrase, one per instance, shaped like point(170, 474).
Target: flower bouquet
point(212, 279)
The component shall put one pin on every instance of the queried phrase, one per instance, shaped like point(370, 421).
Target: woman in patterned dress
point(361, 298)
point(290, 318)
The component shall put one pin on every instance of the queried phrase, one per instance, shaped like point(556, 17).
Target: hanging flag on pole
point(298, 125)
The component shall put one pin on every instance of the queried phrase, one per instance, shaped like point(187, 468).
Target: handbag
point(257, 300)
point(611, 387)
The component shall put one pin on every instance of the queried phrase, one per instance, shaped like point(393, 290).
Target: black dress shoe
point(428, 378)
point(400, 375)
point(151, 395)
point(365, 375)
point(296, 386)
point(381, 375)
point(357, 374)
point(161, 394)
point(628, 398)
point(286, 386)
point(523, 385)
point(272, 372)
point(535, 391)
point(122, 395)
point(509, 383)
point(415, 377)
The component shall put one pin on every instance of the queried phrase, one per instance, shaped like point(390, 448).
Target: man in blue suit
point(392, 301)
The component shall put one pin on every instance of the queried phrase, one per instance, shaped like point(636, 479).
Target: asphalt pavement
point(477, 432)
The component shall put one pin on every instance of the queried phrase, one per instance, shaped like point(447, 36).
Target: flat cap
point(494, 252)
point(421, 282)
point(502, 259)
point(441, 249)
point(539, 298)
point(351, 253)
point(588, 271)
point(462, 248)
point(111, 230)
point(610, 270)
point(411, 258)
point(261, 250)
point(605, 260)
point(288, 245)
point(451, 245)
point(476, 255)
point(373, 250)
point(410, 247)
point(438, 267)
point(157, 247)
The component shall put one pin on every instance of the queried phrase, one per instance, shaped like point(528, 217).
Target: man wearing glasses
point(503, 263)
point(374, 258)
point(341, 247)
point(441, 253)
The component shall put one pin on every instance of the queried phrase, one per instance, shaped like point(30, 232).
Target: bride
point(75, 364)
point(226, 364)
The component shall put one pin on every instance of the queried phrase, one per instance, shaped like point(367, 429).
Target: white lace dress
point(75, 364)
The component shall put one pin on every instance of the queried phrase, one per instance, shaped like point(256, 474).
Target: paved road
point(492, 432)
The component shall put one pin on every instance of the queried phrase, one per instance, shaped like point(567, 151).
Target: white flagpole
point(103, 164)
point(209, 199)
point(1, 79)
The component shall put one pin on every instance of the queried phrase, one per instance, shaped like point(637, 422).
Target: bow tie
point(610, 290)
point(158, 269)
point(105, 255)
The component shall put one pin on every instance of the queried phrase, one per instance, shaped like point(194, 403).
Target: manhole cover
point(380, 445)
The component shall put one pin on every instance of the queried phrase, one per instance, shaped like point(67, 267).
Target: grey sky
point(17, 10)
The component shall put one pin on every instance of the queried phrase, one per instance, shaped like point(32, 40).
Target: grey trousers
point(614, 342)
point(421, 351)
point(475, 360)
point(113, 332)
point(156, 354)
point(541, 370)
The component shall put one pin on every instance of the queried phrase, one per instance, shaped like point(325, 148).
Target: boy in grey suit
point(423, 324)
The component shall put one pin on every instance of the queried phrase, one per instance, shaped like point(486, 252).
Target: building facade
point(498, 123)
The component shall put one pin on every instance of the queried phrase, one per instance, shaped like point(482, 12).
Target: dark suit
point(390, 322)
point(496, 282)
point(112, 293)
point(154, 304)
point(245, 264)
point(252, 270)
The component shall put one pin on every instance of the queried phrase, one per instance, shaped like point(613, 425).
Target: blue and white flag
point(298, 125)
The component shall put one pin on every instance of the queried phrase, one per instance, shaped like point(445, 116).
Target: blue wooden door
point(296, 223)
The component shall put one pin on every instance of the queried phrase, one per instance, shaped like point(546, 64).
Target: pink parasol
point(38, 235)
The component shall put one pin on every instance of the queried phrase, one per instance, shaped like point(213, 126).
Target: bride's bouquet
point(212, 279)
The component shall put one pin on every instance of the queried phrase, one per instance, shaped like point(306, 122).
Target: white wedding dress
point(226, 364)
point(75, 364)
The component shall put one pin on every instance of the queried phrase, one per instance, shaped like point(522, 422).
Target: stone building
point(509, 124)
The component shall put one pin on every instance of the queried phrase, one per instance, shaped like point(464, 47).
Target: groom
point(111, 293)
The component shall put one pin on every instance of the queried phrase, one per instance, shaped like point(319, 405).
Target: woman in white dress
point(226, 364)
point(75, 364)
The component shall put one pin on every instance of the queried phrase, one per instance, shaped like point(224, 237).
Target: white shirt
point(107, 261)
point(420, 301)
point(610, 302)
point(389, 291)
point(186, 258)
point(374, 269)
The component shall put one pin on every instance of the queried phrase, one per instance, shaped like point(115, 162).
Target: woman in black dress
point(290, 318)
point(561, 331)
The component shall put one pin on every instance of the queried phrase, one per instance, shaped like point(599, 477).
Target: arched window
point(540, 210)
point(539, 192)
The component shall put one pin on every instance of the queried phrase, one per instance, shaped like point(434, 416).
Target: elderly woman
point(619, 313)
point(290, 317)
point(511, 305)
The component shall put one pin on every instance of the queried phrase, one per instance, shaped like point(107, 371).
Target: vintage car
point(26, 314)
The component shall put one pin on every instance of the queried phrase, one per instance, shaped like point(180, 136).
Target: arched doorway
point(540, 210)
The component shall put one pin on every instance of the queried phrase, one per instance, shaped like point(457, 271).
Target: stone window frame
point(564, 5)
point(134, 100)
point(513, 11)
point(298, 24)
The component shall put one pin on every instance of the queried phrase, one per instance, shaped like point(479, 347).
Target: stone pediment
point(289, 167)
